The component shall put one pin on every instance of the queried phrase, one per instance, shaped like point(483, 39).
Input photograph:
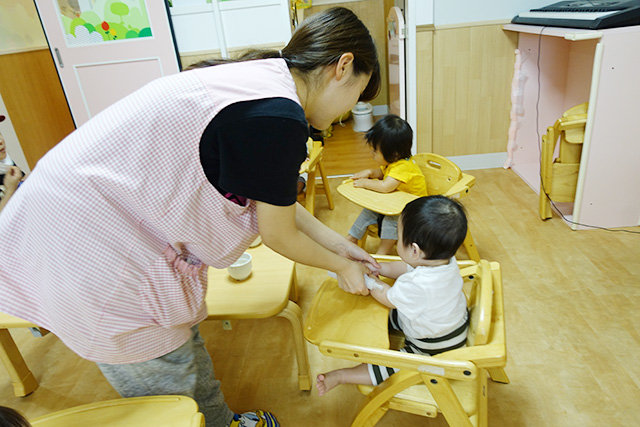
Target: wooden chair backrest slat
point(480, 305)
point(440, 173)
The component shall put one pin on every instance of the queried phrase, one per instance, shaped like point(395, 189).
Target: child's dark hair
point(12, 418)
point(437, 224)
point(393, 136)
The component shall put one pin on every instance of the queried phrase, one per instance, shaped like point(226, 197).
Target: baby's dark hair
point(393, 136)
point(12, 418)
point(437, 224)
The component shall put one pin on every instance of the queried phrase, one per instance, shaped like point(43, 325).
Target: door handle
point(60, 63)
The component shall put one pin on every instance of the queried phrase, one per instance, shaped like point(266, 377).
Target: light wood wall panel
point(472, 72)
point(424, 86)
point(373, 15)
point(34, 98)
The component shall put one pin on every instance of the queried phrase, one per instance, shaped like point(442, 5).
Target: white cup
point(241, 269)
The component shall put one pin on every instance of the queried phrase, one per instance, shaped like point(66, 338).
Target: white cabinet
point(202, 27)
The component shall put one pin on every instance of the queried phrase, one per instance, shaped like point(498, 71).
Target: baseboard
point(380, 110)
point(479, 161)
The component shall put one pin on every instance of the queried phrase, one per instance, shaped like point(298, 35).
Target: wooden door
point(104, 50)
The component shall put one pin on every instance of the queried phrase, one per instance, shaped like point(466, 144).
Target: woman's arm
point(381, 186)
point(296, 234)
point(331, 240)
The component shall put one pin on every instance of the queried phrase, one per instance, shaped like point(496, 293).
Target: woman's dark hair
point(393, 136)
point(12, 418)
point(437, 224)
point(320, 41)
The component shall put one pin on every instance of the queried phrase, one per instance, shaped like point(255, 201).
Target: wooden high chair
point(311, 167)
point(147, 411)
point(559, 176)
point(442, 176)
point(453, 383)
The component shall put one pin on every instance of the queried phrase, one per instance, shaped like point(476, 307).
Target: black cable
point(539, 143)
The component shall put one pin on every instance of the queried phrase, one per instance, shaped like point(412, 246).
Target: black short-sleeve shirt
point(254, 149)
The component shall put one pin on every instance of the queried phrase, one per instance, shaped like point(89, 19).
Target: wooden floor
point(572, 303)
point(346, 152)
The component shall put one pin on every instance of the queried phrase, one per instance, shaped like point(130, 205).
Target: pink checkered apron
point(106, 242)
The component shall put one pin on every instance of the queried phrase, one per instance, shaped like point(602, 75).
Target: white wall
point(423, 11)
point(200, 27)
point(447, 12)
point(20, 31)
point(20, 28)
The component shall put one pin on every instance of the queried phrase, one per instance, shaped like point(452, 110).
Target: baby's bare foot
point(326, 382)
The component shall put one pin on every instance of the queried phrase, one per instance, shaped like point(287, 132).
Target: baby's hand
point(360, 183)
point(360, 175)
point(12, 178)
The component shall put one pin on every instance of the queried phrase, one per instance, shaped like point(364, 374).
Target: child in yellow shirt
point(390, 140)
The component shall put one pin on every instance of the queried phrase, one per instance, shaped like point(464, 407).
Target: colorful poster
point(98, 21)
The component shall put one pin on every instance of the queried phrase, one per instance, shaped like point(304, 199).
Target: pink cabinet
point(564, 67)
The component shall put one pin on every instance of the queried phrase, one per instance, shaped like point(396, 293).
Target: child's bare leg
point(356, 375)
point(386, 247)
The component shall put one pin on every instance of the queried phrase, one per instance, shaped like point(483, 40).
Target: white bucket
point(362, 116)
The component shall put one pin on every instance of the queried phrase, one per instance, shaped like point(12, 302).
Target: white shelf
point(572, 34)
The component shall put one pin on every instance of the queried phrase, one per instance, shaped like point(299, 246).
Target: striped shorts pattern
point(426, 346)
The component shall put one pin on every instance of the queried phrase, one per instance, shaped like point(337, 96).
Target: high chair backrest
point(559, 175)
point(443, 177)
point(480, 305)
point(571, 128)
point(440, 173)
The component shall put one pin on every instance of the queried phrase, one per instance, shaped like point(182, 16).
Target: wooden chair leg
point(363, 241)
point(325, 184)
point(499, 375)
point(293, 314)
point(310, 197)
point(293, 289)
point(470, 246)
point(447, 401)
point(22, 379)
point(374, 407)
point(483, 409)
point(545, 205)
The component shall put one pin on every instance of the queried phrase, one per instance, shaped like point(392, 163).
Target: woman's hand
point(351, 279)
point(356, 253)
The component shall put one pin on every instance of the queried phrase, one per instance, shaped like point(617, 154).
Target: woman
point(181, 174)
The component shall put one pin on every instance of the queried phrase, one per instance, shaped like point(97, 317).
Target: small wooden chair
point(442, 176)
point(22, 379)
point(559, 176)
point(453, 383)
point(313, 166)
point(147, 411)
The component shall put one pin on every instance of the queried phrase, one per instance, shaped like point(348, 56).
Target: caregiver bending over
point(111, 234)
